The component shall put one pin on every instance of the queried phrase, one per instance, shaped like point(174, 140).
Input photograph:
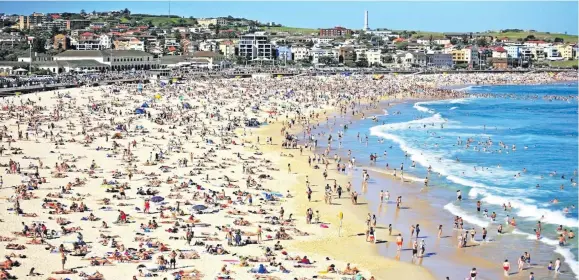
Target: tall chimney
point(366, 28)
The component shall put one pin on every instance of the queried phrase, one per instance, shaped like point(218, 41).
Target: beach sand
point(86, 145)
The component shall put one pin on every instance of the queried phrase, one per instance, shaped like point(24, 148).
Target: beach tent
point(347, 74)
point(187, 105)
point(378, 77)
point(157, 96)
point(157, 199)
point(145, 105)
point(139, 111)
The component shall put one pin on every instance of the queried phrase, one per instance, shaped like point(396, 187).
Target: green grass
point(538, 36)
point(158, 21)
point(510, 35)
point(292, 30)
point(564, 63)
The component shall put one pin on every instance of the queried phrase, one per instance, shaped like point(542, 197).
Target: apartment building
point(566, 51)
point(374, 57)
point(318, 53)
point(76, 24)
point(300, 52)
point(337, 31)
point(252, 47)
point(32, 21)
point(439, 60)
point(466, 55)
point(227, 48)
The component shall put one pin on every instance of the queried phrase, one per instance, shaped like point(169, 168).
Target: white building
point(318, 53)
point(255, 47)
point(322, 40)
point(300, 53)
point(105, 41)
point(209, 46)
point(360, 53)
point(374, 57)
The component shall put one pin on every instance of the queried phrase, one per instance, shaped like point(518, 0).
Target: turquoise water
point(517, 139)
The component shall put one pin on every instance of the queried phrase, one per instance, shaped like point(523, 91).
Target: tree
point(559, 40)
point(54, 31)
point(454, 41)
point(362, 62)
point(482, 42)
point(217, 29)
point(178, 37)
point(38, 45)
point(465, 39)
point(83, 12)
point(402, 46)
point(530, 38)
point(126, 11)
point(387, 59)
point(326, 60)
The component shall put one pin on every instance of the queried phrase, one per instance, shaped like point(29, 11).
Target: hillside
point(510, 35)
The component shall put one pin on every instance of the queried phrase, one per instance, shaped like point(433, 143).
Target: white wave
point(525, 208)
point(434, 119)
point(568, 256)
point(467, 88)
point(456, 211)
point(420, 108)
point(452, 108)
point(460, 101)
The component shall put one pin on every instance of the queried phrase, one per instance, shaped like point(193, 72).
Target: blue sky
point(426, 16)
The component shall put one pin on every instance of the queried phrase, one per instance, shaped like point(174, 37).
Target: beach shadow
point(381, 241)
point(361, 203)
point(429, 255)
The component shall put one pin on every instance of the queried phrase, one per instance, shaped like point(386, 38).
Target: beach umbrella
point(199, 207)
point(157, 199)
point(157, 96)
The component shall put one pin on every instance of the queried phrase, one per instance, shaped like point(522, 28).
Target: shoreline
point(488, 268)
point(367, 254)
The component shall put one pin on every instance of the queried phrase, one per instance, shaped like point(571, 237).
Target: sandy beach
point(174, 182)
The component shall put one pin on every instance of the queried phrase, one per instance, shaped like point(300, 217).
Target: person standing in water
point(506, 268)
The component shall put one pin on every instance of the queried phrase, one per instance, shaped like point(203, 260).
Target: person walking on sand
point(147, 206)
point(259, 234)
point(399, 241)
point(62, 255)
point(173, 259)
point(506, 268)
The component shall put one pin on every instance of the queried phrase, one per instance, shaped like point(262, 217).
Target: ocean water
point(517, 140)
